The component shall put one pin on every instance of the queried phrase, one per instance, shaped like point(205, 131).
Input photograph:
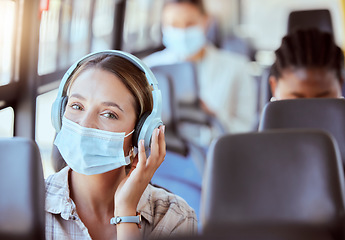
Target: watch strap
point(127, 219)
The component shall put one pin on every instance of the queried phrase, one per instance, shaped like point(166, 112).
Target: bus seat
point(169, 116)
point(315, 18)
point(189, 114)
point(282, 182)
point(22, 214)
point(184, 81)
point(181, 172)
point(265, 93)
point(180, 175)
point(213, 32)
point(320, 113)
point(238, 45)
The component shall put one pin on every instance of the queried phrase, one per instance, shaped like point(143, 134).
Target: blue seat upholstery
point(181, 171)
point(22, 214)
point(180, 175)
point(274, 183)
point(190, 117)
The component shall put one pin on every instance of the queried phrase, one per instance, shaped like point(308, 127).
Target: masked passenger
point(98, 116)
point(226, 88)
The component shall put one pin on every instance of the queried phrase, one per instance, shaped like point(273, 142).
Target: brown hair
point(197, 3)
point(129, 74)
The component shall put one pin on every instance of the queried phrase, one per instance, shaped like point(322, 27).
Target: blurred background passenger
point(308, 65)
point(225, 86)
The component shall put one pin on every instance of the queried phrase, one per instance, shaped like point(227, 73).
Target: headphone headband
point(133, 59)
point(147, 125)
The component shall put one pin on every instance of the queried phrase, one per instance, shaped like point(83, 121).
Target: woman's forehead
point(95, 83)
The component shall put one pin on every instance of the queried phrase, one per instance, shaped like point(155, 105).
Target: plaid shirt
point(163, 214)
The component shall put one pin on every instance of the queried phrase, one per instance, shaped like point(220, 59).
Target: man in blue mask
point(226, 88)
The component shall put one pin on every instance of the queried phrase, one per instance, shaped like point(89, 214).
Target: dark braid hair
point(197, 3)
point(309, 48)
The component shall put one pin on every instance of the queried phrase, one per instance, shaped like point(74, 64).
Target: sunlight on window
point(103, 24)
point(45, 132)
point(48, 47)
point(142, 24)
point(275, 15)
point(6, 122)
point(80, 30)
point(64, 34)
point(7, 20)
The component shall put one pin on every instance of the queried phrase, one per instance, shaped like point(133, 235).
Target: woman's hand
point(131, 188)
point(206, 109)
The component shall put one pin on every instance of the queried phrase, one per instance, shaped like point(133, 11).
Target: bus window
point(80, 37)
point(102, 25)
point(48, 46)
point(64, 34)
point(45, 132)
point(7, 21)
point(6, 120)
point(267, 25)
point(142, 25)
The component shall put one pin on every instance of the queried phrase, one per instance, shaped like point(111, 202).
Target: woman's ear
point(273, 84)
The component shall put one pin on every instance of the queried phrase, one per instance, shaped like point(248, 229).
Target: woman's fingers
point(141, 154)
point(162, 145)
point(154, 146)
point(157, 151)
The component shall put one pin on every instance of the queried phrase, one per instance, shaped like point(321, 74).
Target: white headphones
point(148, 121)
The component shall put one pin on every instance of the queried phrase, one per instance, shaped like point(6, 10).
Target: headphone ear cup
point(58, 111)
point(138, 128)
point(63, 107)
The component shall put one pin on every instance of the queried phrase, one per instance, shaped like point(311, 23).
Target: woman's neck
point(94, 194)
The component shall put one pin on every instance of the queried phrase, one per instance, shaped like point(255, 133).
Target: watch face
point(118, 219)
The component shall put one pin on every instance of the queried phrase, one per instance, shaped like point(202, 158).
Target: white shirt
point(224, 84)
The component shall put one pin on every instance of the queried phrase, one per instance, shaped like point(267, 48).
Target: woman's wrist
point(123, 211)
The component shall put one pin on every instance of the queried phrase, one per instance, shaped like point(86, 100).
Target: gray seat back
point(22, 210)
point(318, 113)
point(184, 81)
point(314, 18)
point(284, 181)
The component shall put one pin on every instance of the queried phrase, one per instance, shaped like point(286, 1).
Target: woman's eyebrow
point(77, 95)
point(112, 104)
point(296, 94)
point(108, 104)
point(322, 94)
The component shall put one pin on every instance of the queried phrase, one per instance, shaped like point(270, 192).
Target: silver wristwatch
point(127, 219)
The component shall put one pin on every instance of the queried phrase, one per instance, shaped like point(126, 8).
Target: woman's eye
point(110, 115)
point(76, 106)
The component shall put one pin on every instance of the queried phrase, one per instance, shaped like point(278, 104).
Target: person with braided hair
point(308, 64)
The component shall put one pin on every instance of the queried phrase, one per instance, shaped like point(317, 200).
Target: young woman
point(106, 96)
point(308, 65)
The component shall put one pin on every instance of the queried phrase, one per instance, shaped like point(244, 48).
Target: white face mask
point(90, 151)
point(184, 42)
